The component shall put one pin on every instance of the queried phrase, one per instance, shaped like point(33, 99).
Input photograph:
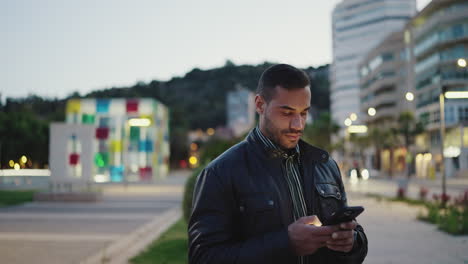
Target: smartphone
point(345, 214)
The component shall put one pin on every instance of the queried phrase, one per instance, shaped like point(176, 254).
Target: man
point(262, 200)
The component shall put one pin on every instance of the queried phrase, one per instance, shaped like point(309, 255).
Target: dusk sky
point(53, 48)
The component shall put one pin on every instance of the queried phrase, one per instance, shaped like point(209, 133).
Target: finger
point(341, 242)
point(340, 248)
point(310, 220)
point(348, 225)
point(323, 230)
point(342, 234)
point(321, 239)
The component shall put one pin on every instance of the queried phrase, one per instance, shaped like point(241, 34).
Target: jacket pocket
point(259, 214)
point(330, 199)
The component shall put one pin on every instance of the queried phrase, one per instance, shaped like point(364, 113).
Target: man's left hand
point(343, 239)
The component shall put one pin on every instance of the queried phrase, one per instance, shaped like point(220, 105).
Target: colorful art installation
point(131, 138)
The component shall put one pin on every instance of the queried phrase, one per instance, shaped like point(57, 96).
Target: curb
point(126, 247)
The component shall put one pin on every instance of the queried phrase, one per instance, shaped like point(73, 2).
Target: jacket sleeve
point(359, 251)
point(211, 229)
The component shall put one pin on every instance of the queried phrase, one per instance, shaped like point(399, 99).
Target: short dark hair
point(284, 75)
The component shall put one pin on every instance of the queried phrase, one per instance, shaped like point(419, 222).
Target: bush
point(210, 151)
point(449, 217)
point(188, 193)
point(215, 147)
point(432, 215)
point(15, 197)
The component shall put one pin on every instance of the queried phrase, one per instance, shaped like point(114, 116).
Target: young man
point(261, 200)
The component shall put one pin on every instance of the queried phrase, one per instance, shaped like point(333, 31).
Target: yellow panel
point(150, 117)
point(116, 146)
point(73, 106)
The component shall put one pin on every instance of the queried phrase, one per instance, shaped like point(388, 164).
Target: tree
point(362, 142)
point(380, 139)
point(320, 132)
point(408, 128)
point(21, 133)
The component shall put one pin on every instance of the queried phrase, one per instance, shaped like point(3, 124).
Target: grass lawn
point(15, 197)
point(170, 248)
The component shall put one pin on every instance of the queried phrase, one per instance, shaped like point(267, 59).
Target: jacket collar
point(272, 148)
point(307, 151)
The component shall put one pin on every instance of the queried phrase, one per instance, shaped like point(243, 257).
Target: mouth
point(293, 137)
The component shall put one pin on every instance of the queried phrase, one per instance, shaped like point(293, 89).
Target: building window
point(424, 118)
point(463, 114)
point(387, 56)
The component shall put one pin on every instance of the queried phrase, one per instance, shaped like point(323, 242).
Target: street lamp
point(442, 136)
point(461, 62)
point(348, 122)
point(409, 96)
point(449, 95)
point(371, 111)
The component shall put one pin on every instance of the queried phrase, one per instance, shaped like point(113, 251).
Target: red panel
point(146, 173)
point(102, 132)
point(74, 159)
point(132, 106)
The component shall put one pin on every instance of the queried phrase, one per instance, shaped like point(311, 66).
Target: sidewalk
point(109, 231)
point(394, 233)
point(389, 187)
point(396, 237)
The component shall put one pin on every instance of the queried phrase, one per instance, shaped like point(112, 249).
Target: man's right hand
point(307, 238)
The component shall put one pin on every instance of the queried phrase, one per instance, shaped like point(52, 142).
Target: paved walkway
point(102, 232)
point(397, 237)
point(394, 233)
point(388, 187)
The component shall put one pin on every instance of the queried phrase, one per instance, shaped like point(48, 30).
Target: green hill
point(196, 100)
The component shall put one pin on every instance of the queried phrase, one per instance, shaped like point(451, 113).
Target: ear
point(260, 104)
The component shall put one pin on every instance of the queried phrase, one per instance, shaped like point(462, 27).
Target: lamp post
point(449, 95)
point(442, 136)
point(347, 123)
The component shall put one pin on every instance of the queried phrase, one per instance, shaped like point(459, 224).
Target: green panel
point(101, 159)
point(87, 119)
point(134, 133)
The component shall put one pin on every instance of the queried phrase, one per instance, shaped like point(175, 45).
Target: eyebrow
point(292, 109)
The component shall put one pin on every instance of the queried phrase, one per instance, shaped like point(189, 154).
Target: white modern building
point(358, 26)
point(240, 110)
point(438, 38)
point(110, 140)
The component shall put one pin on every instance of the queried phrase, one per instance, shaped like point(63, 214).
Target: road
point(66, 232)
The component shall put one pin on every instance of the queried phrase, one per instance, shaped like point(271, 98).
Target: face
point(283, 119)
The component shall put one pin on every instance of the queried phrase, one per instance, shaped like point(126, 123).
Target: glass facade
point(359, 26)
point(443, 34)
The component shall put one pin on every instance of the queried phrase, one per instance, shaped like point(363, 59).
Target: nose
point(297, 123)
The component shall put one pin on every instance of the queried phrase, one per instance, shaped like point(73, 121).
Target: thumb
point(310, 220)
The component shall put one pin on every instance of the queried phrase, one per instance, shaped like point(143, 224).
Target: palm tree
point(382, 139)
point(408, 128)
point(362, 142)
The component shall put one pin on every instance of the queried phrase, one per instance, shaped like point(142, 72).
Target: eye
point(287, 113)
point(304, 114)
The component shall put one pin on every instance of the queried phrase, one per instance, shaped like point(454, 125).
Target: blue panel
point(116, 173)
point(145, 146)
point(149, 145)
point(102, 105)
